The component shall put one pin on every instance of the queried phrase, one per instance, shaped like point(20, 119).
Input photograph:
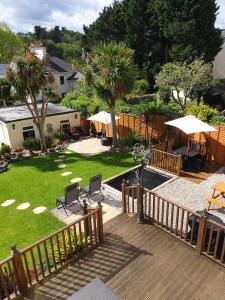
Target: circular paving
point(23, 206)
point(8, 202)
point(76, 180)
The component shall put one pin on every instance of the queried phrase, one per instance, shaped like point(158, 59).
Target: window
point(28, 133)
point(61, 78)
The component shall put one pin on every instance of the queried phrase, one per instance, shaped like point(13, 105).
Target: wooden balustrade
point(166, 161)
point(203, 234)
point(32, 264)
point(165, 146)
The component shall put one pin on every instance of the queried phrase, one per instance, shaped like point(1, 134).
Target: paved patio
point(88, 146)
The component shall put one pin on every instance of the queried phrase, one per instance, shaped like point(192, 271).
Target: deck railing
point(166, 161)
point(34, 263)
point(165, 146)
point(203, 234)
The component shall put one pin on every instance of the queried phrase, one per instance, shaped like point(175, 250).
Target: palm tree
point(28, 76)
point(112, 73)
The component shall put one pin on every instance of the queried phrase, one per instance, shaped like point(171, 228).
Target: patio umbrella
point(102, 117)
point(190, 124)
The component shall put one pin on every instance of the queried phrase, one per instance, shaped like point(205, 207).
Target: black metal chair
point(71, 196)
point(95, 187)
point(198, 162)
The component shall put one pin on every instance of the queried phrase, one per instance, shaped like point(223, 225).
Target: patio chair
point(71, 196)
point(95, 187)
point(198, 162)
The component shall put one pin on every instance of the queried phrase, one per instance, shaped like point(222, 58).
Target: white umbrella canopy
point(102, 117)
point(190, 124)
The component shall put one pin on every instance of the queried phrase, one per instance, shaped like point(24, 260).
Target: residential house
point(65, 75)
point(3, 69)
point(219, 62)
point(16, 123)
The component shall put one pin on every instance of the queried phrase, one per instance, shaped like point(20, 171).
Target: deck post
point(124, 208)
point(100, 222)
point(201, 233)
point(85, 212)
point(19, 270)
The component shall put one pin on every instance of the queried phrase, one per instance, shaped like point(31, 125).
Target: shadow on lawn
point(47, 163)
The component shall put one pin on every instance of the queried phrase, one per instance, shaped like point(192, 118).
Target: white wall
point(16, 135)
point(4, 136)
point(219, 64)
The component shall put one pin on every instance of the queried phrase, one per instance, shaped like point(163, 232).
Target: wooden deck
point(198, 177)
point(139, 262)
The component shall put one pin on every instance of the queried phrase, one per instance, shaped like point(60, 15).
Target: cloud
point(23, 15)
point(220, 22)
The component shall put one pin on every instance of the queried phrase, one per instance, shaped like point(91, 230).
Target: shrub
point(5, 149)
point(129, 139)
point(32, 144)
point(202, 111)
point(218, 120)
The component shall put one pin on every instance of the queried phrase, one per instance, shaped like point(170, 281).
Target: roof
point(21, 112)
point(3, 68)
point(73, 77)
point(59, 65)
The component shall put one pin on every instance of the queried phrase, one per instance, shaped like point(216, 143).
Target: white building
point(65, 76)
point(219, 62)
point(16, 123)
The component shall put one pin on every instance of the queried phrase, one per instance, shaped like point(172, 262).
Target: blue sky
point(22, 15)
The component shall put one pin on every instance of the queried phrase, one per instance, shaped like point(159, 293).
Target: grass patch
point(38, 181)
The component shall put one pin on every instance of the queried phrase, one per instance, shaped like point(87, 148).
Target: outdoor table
point(220, 188)
point(185, 151)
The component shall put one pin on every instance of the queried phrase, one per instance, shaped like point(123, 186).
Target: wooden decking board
point(140, 262)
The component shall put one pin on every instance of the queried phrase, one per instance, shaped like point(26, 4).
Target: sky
point(23, 15)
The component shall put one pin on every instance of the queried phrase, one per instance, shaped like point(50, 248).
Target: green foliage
point(190, 79)
point(129, 140)
point(159, 31)
point(5, 149)
point(10, 44)
point(155, 107)
point(32, 144)
point(5, 91)
point(63, 248)
point(218, 120)
point(140, 88)
point(202, 111)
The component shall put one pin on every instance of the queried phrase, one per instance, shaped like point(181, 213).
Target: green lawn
point(38, 181)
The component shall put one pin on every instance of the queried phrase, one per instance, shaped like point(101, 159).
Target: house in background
point(66, 77)
point(3, 69)
point(16, 123)
point(219, 62)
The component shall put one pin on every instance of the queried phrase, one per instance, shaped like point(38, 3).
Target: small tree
point(187, 80)
point(29, 76)
point(112, 73)
point(10, 44)
point(5, 94)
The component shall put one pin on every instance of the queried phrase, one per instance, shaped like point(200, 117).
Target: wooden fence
point(146, 126)
point(215, 142)
point(152, 126)
point(166, 161)
point(203, 234)
point(34, 263)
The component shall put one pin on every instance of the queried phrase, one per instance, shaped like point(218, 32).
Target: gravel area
point(192, 195)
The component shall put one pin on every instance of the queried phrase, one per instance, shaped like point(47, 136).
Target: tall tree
point(186, 28)
point(10, 44)
point(29, 76)
point(5, 91)
point(112, 73)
